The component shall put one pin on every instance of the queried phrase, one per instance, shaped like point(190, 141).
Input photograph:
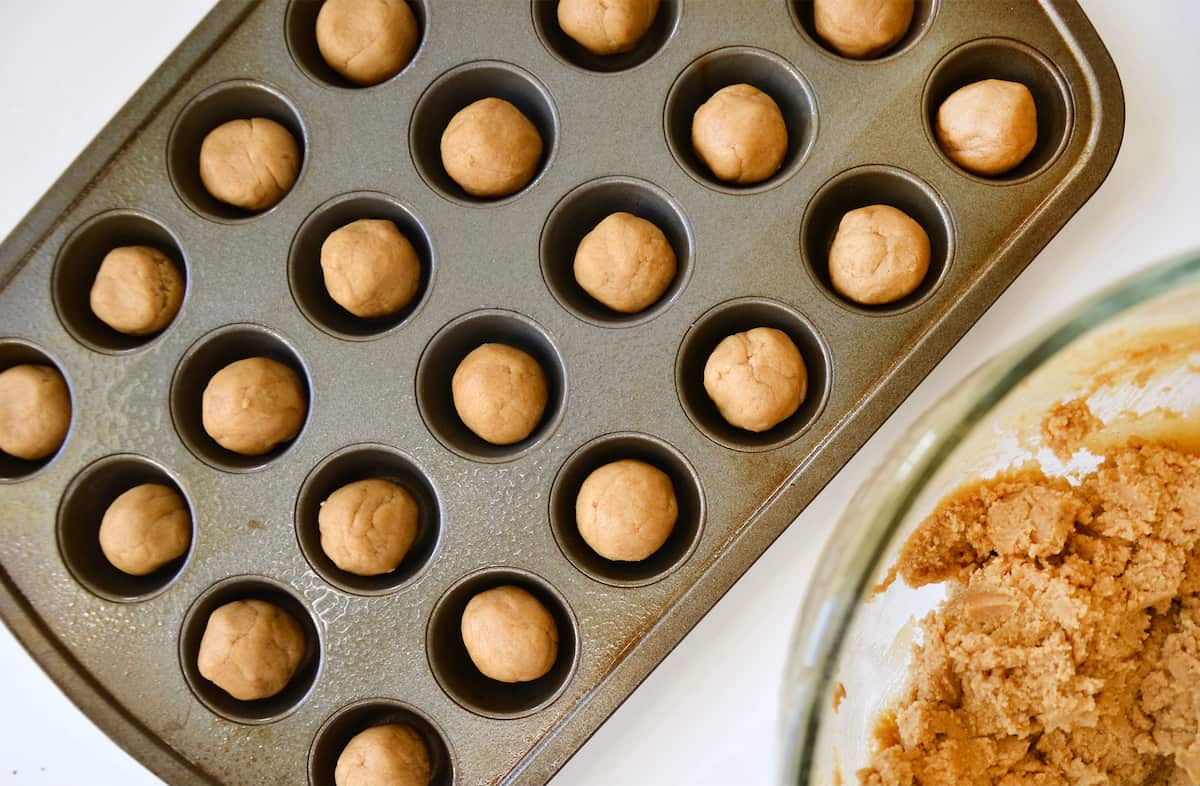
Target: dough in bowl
point(757, 379)
point(509, 635)
point(252, 405)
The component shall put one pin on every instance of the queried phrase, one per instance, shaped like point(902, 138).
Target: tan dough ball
point(879, 255)
point(368, 526)
point(757, 378)
point(988, 127)
point(625, 262)
point(626, 510)
point(370, 268)
point(250, 649)
point(388, 755)
point(740, 134)
point(862, 28)
point(510, 635)
point(606, 27)
point(500, 393)
point(145, 528)
point(249, 164)
point(137, 291)
point(252, 405)
point(35, 411)
point(367, 41)
point(491, 149)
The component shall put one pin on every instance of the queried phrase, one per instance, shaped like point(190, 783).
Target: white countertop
point(708, 714)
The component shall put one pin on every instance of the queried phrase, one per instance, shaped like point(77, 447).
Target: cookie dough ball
point(371, 269)
point(250, 649)
point(626, 263)
point(252, 405)
point(500, 393)
point(879, 255)
point(988, 127)
point(510, 635)
point(757, 378)
point(626, 510)
point(491, 149)
point(367, 41)
point(249, 164)
point(862, 29)
point(388, 755)
point(368, 526)
point(137, 291)
point(739, 134)
point(606, 27)
point(145, 528)
point(35, 411)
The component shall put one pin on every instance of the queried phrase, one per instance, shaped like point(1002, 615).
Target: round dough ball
point(491, 149)
point(137, 291)
point(250, 649)
point(625, 262)
point(606, 27)
point(510, 635)
point(988, 127)
point(862, 29)
point(252, 405)
point(367, 41)
point(626, 510)
point(35, 411)
point(249, 164)
point(757, 378)
point(500, 393)
point(388, 755)
point(370, 268)
point(145, 528)
point(368, 526)
point(879, 255)
point(739, 133)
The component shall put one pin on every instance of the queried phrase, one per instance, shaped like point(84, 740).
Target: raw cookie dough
point(137, 291)
point(145, 528)
point(606, 27)
point(370, 268)
point(249, 164)
point(740, 135)
point(988, 127)
point(862, 29)
point(388, 755)
point(500, 393)
point(252, 405)
point(491, 149)
point(757, 379)
point(368, 526)
point(367, 41)
point(510, 635)
point(35, 411)
point(625, 262)
point(250, 649)
point(879, 255)
point(626, 510)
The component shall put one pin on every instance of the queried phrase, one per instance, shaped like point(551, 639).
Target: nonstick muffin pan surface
point(616, 135)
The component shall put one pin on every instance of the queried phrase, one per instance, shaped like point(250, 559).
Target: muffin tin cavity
point(464, 85)
point(307, 280)
point(206, 357)
point(458, 676)
point(566, 49)
point(300, 27)
point(924, 13)
point(16, 352)
point(362, 462)
point(720, 68)
point(1004, 58)
point(259, 711)
point(354, 718)
point(735, 316)
point(232, 100)
point(877, 185)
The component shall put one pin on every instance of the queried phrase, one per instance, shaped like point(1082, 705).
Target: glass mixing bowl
point(1132, 352)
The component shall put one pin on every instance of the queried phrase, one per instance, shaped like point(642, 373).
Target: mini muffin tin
point(616, 138)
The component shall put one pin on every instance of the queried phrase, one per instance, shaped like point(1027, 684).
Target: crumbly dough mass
point(253, 404)
point(500, 393)
point(145, 528)
point(370, 268)
point(367, 41)
point(368, 526)
point(249, 164)
point(988, 127)
point(137, 290)
point(626, 510)
point(625, 262)
point(509, 635)
point(392, 754)
point(250, 649)
point(607, 27)
point(35, 411)
point(491, 149)
point(879, 255)
point(739, 133)
point(862, 29)
point(757, 379)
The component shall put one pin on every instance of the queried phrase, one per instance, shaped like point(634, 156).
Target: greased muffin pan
point(616, 138)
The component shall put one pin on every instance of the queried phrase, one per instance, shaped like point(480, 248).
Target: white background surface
point(708, 714)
